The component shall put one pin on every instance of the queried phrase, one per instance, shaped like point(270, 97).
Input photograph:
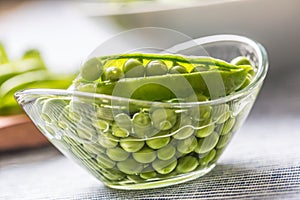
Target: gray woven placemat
point(262, 162)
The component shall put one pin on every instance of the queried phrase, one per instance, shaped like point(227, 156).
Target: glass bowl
point(136, 144)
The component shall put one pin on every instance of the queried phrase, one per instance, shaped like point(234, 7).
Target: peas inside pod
point(160, 131)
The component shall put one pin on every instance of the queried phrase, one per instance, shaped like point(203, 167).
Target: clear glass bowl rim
point(258, 79)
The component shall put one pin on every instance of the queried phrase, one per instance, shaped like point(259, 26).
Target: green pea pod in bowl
point(139, 120)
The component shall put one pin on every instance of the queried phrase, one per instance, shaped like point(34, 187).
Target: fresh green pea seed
point(187, 145)
point(130, 145)
point(52, 108)
point(105, 162)
point(184, 133)
point(93, 148)
point(50, 130)
point(205, 128)
point(187, 164)
point(208, 143)
point(207, 158)
point(163, 119)
point(167, 152)
point(145, 155)
point(148, 175)
point(141, 123)
point(86, 134)
point(92, 69)
point(200, 68)
point(178, 69)
point(158, 143)
point(112, 74)
point(156, 68)
point(164, 166)
point(228, 125)
point(130, 166)
point(123, 121)
point(119, 132)
point(100, 125)
point(104, 112)
point(133, 68)
point(219, 111)
point(224, 140)
point(117, 154)
point(107, 140)
point(135, 178)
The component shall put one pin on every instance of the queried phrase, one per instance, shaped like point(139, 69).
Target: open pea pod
point(30, 61)
point(31, 79)
point(214, 79)
point(3, 56)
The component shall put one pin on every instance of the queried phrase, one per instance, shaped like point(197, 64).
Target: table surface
point(262, 162)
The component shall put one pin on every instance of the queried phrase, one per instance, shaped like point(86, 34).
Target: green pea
point(156, 68)
point(208, 143)
point(224, 140)
point(117, 154)
point(93, 148)
point(184, 133)
point(131, 145)
point(167, 152)
point(107, 140)
point(205, 128)
point(163, 119)
point(135, 178)
point(148, 175)
point(123, 121)
point(92, 69)
point(220, 112)
point(104, 112)
point(50, 129)
point(228, 125)
point(164, 166)
point(241, 60)
point(85, 133)
point(112, 74)
point(224, 117)
point(130, 166)
point(52, 108)
point(113, 175)
point(119, 132)
point(105, 162)
point(187, 145)
point(141, 123)
point(145, 155)
point(159, 142)
point(187, 164)
point(207, 158)
point(100, 125)
point(200, 68)
point(133, 68)
point(87, 87)
point(178, 69)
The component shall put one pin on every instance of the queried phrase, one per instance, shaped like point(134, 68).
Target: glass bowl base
point(164, 182)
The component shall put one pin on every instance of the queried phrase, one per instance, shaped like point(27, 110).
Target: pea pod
point(157, 87)
point(3, 56)
point(31, 79)
point(31, 61)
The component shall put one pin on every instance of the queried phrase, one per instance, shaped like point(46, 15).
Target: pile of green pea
point(149, 143)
